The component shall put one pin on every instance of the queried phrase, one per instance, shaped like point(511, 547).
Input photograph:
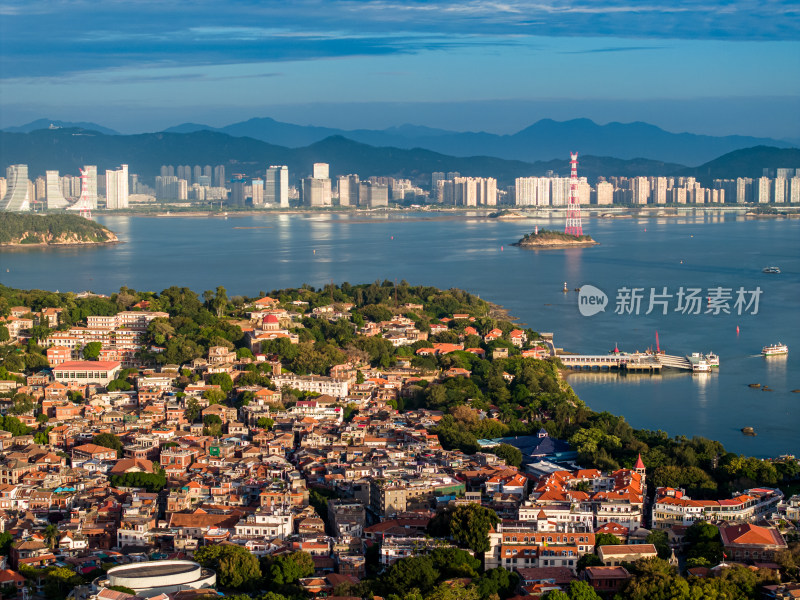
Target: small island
point(506, 215)
point(549, 239)
point(21, 231)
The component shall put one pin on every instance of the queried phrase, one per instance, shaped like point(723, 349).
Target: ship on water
point(775, 349)
point(699, 363)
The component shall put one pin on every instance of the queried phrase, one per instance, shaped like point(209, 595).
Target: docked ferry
point(699, 363)
point(775, 349)
point(713, 360)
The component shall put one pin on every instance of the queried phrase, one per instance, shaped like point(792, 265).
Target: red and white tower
point(84, 203)
point(574, 226)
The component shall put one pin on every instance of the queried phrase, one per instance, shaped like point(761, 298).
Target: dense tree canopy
point(237, 568)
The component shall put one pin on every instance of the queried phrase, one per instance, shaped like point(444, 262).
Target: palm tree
point(51, 536)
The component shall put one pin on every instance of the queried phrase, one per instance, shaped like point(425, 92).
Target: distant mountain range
point(68, 149)
point(47, 123)
point(543, 140)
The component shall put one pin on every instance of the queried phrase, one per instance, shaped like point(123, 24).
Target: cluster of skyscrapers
point(452, 188)
point(18, 193)
point(207, 184)
point(554, 191)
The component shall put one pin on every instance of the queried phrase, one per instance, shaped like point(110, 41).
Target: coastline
point(20, 246)
point(458, 212)
point(558, 246)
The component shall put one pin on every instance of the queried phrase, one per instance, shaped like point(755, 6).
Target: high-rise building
point(55, 197)
point(779, 190)
point(446, 191)
point(117, 188)
point(317, 188)
point(532, 191)
point(89, 173)
point(436, 177)
point(167, 187)
point(219, 176)
point(316, 191)
point(40, 185)
point(207, 172)
point(605, 193)
point(373, 195)
point(794, 189)
point(3, 187)
point(238, 184)
point(658, 192)
point(196, 173)
point(728, 186)
point(276, 186)
point(559, 191)
point(744, 190)
point(762, 190)
point(640, 190)
point(257, 191)
point(321, 171)
point(17, 197)
point(348, 190)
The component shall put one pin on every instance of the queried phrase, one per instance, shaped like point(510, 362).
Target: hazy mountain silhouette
point(69, 149)
point(541, 141)
point(46, 123)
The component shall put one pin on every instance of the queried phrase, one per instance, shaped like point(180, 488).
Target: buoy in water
point(737, 330)
point(501, 248)
point(315, 251)
point(392, 237)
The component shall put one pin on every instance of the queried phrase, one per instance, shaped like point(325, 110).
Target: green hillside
point(18, 228)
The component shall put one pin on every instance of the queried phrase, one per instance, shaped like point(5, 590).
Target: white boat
point(713, 360)
point(699, 363)
point(775, 270)
point(775, 349)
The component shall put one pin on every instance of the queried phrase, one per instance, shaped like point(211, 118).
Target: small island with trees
point(548, 238)
point(18, 230)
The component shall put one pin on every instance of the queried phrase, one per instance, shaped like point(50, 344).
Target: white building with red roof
point(87, 371)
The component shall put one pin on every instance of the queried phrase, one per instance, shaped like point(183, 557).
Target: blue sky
point(719, 67)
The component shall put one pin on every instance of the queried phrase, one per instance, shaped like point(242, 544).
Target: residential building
point(348, 186)
point(17, 197)
point(117, 188)
point(276, 186)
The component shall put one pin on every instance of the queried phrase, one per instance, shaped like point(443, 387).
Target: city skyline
point(715, 69)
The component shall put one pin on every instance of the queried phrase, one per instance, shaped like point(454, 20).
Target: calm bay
point(706, 250)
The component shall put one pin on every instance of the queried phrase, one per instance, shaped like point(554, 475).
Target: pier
point(634, 363)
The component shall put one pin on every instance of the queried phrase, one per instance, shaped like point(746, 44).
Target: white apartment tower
point(317, 188)
point(257, 191)
point(321, 171)
point(117, 188)
point(276, 186)
point(55, 197)
point(17, 197)
point(348, 190)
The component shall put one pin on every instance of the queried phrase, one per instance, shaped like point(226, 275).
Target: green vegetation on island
point(18, 229)
point(548, 238)
point(520, 395)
